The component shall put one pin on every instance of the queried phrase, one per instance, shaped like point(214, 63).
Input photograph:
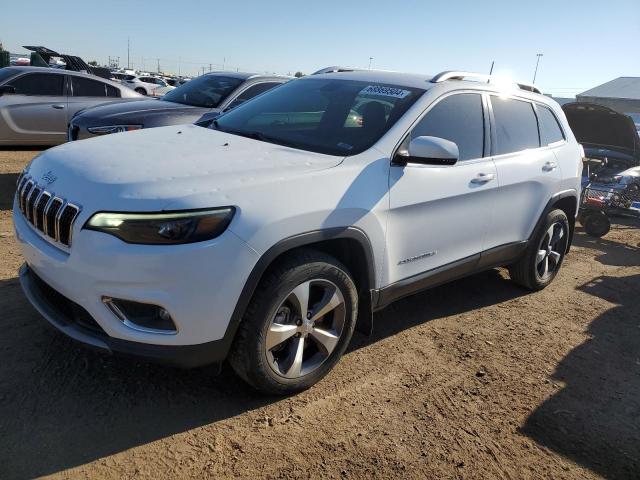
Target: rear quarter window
point(550, 131)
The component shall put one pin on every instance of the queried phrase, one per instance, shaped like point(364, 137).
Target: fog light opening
point(144, 317)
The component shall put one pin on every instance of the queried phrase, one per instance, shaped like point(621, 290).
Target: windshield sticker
point(384, 91)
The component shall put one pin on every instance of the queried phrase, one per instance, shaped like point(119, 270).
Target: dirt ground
point(475, 379)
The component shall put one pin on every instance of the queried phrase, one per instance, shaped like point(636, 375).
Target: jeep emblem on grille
point(49, 177)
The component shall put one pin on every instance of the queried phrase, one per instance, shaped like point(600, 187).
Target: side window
point(251, 92)
point(550, 130)
point(83, 87)
point(516, 125)
point(113, 91)
point(39, 84)
point(458, 118)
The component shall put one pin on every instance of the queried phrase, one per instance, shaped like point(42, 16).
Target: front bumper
point(75, 322)
point(198, 284)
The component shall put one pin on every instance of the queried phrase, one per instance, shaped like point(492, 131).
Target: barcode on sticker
point(384, 91)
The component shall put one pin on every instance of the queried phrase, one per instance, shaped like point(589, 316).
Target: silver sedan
point(36, 103)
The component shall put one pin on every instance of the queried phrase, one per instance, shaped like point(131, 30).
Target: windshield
point(336, 117)
point(207, 91)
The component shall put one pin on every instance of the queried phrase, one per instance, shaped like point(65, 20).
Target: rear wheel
point(141, 91)
point(596, 224)
point(544, 255)
point(297, 325)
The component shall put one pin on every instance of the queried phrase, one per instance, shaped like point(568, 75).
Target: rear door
point(439, 214)
point(87, 92)
point(36, 112)
point(528, 173)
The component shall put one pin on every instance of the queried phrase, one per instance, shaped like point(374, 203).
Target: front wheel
point(544, 255)
point(297, 325)
point(141, 91)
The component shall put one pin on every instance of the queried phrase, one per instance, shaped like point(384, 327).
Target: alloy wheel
point(306, 328)
point(551, 250)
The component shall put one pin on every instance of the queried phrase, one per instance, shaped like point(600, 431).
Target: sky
point(584, 43)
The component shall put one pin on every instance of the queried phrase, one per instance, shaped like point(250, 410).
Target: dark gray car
point(36, 103)
point(201, 98)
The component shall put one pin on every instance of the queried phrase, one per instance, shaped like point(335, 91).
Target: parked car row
point(48, 106)
point(151, 86)
point(269, 237)
point(200, 100)
point(37, 103)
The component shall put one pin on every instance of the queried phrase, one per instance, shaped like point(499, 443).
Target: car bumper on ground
point(68, 289)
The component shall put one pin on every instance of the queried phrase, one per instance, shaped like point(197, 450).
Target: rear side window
point(252, 91)
point(458, 118)
point(39, 84)
point(83, 87)
point(516, 125)
point(550, 130)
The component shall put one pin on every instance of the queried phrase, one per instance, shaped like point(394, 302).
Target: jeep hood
point(599, 127)
point(176, 167)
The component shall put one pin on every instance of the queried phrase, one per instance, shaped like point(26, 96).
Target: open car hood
point(599, 127)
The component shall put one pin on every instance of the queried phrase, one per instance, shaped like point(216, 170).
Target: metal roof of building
point(621, 87)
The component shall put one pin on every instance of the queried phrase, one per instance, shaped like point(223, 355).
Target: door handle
point(483, 178)
point(57, 106)
point(549, 166)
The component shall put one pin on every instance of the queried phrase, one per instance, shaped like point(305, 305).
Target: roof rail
point(481, 77)
point(336, 69)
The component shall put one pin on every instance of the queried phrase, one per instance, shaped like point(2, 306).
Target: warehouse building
point(621, 94)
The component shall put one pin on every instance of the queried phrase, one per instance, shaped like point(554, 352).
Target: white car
point(151, 86)
point(269, 237)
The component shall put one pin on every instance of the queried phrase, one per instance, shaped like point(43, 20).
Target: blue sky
point(584, 43)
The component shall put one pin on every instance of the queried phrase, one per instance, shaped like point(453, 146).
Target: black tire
point(527, 271)
point(141, 91)
point(250, 357)
point(597, 224)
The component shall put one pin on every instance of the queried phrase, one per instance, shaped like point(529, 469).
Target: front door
point(439, 215)
point(36, 112)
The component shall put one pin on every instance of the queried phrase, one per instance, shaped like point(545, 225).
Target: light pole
point(535, 73)
point(370, 58)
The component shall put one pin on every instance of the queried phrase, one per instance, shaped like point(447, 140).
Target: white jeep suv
point(269, 237)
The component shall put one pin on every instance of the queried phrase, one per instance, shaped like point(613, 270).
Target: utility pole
point(128, 45)
point(158, 65)
point(224, 61)
point(209, 67)
point(535, 73)
point(370, 59)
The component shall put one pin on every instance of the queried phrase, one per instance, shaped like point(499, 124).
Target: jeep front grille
point(53, 216)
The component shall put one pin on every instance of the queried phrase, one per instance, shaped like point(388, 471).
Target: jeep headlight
point(106, 130)
point(163, 228)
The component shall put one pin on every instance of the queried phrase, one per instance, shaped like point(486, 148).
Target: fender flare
point(549, 206)
point(364, 322)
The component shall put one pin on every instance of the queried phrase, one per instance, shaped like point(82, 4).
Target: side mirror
point(4, 89)
point(428, 151)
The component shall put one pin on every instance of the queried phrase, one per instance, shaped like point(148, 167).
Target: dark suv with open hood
point(201, 98)
point(610, 139)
